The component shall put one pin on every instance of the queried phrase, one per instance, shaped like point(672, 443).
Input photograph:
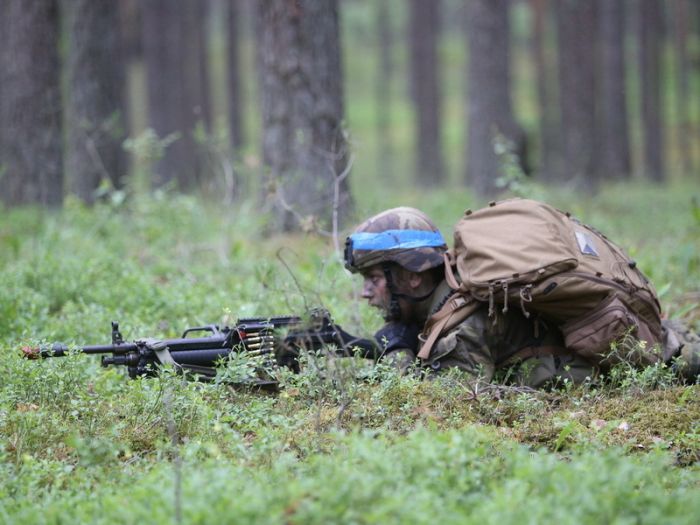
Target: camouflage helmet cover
point(405, 236)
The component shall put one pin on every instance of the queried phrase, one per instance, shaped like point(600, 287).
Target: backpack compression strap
point(456, 310)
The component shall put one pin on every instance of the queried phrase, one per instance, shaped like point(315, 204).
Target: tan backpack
point(525, 254)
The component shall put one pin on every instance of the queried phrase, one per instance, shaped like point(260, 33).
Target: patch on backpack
point(585, 244)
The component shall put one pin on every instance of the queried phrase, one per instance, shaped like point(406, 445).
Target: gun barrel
point(61, 350)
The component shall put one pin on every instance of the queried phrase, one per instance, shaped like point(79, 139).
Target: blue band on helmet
point(396, 239)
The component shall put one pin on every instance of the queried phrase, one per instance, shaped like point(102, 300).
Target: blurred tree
point(196, 60)
point(650, 46)
point(491, 119)
point(130, 29)
point(30, 107)
point(304, 144)
point(546, 94)
point(385, 75)
point(234, 86)
point(177, 84)
point(577, 38)
point(681, 15)
point(96, 96)
point(423, 35)
point(614, 135)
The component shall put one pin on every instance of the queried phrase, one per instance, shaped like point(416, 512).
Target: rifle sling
point(165, 357)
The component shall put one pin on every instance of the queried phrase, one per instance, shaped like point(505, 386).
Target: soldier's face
point(374, 289)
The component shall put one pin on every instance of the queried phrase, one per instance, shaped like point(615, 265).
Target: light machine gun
point(280, 338)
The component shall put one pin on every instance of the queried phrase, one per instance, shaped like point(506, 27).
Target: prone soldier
point(409, 275)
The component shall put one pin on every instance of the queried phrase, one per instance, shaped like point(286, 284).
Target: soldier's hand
point(397, 336)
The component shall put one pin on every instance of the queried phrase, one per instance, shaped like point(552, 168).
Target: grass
point(342, 442)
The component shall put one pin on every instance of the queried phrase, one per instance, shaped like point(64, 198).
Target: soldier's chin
point(391, 316)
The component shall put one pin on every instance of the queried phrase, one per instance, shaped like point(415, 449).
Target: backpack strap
point(449, 271)
point(454, 311)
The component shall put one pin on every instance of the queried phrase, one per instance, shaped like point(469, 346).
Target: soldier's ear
point(415, 280)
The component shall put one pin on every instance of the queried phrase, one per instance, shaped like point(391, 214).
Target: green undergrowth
point(343, 441)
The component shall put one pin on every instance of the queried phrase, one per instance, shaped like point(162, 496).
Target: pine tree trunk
point(681, 14)
point(169, 109)
point(30, 108)
point(546, 94)
point(196, 61)
point(304, 145)
point(615, 150)
point(650, 13)
point(385, 75)
point(424, 31)
point(491, 117)
point(234, 88)
point(576, 21)
point(96, 90)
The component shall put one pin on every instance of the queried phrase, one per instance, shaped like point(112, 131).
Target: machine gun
point(280, 338)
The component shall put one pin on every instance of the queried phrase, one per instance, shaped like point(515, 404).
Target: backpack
point(525, 254)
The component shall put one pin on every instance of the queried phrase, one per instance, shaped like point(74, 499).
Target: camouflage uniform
point(527, 354)
point(682, 349)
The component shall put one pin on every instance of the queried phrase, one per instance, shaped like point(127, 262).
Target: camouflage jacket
point(527, 353)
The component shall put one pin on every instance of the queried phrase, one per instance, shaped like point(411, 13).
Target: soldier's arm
point(465, 348)
point(398, 343)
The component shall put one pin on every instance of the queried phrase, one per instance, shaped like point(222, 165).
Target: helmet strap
point(394, 313)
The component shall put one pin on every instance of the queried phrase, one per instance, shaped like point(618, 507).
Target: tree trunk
point(681, 14)
point(169, 109)
point(491, 117)
point(650, 13)
point(385, 75)
point(96, 90)
point(30, 108)
point(576, 21)
point(546, 94)
point(196, 61)
point(614, 147)
point(234, 91)
point(304, 145)
point(424, 30)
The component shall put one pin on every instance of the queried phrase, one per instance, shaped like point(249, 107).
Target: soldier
point(400, 255)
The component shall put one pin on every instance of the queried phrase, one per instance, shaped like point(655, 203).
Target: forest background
point(175, 163)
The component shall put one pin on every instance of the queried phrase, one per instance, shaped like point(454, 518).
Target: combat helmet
point(405, 236)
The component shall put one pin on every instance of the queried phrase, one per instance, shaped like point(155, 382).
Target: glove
point(397, 336)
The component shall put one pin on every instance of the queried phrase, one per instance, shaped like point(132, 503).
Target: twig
point(177, 459)
point(336, 200)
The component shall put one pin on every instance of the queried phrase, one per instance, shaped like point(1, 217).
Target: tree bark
point(489, 104)
point(424, 31)
point(546, 92)
point(170, 110)
point(304, 145)
point(235, 94)
point(96, 92)
point(615, 149)
point(196, 61)
point(650, 13)
point(30, 108)
point(385, 75)
point(681, 15)
point(576, 21)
